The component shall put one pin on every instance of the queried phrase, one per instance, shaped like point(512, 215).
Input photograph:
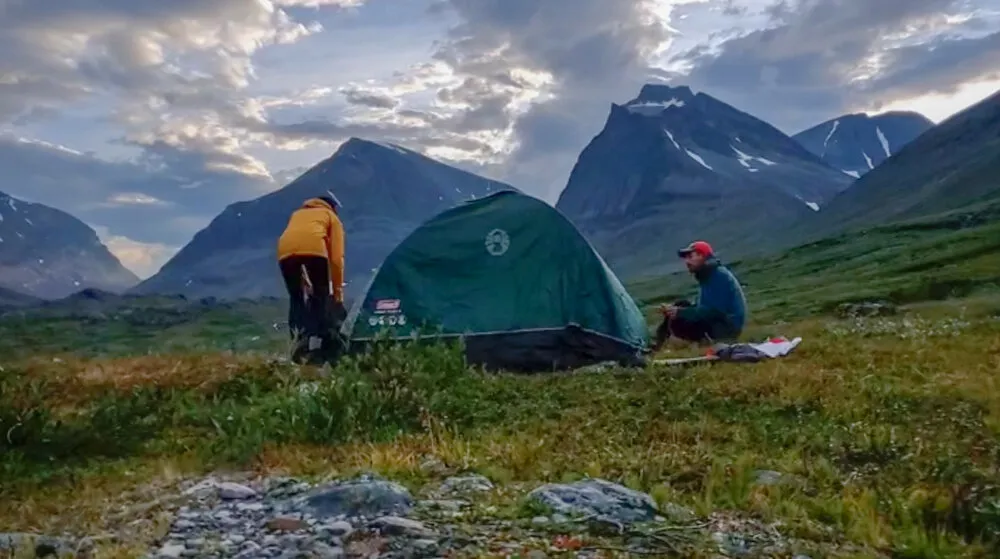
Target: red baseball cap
point(700, 247)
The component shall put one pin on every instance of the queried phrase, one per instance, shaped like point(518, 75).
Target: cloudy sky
point(145, 118)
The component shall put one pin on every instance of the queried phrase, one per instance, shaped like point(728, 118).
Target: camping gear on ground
point(752, 353)
point(513, 278)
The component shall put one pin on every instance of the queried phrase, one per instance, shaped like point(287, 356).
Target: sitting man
point(720, 311)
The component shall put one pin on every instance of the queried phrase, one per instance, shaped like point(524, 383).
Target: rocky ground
point(372, 517)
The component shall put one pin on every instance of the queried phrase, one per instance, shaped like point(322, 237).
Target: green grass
point(889, 426)
point(141, 326)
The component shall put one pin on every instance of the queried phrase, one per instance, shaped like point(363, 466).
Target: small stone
point(183, 525)
point(235, 491)
point(424, 544)
point(250, 549)
point(337, 529)
point(285, 524)
point(250, 507)
point(540, 520)
point(445, 504)
point(237, 539)
point(398, 526)
point(291, 541)
point(171, 551)
point(677, 514)
point(560, 518)
point(467, 484)
point(320, 550)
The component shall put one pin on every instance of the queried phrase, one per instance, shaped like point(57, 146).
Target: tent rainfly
point(512, 277)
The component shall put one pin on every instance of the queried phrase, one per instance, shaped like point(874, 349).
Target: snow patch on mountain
point(671, 136)
point(699, 159)
point(885, 142)
point(745, 159)
point(654, 108)
point(854, 174)
point(867, 159)
point(833, 129)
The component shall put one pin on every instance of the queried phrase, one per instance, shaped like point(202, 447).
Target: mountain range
point(669, 166)
point(672, 165)
point(47, 253)
point(857, 143)
point(386, 192)
point(952, 166)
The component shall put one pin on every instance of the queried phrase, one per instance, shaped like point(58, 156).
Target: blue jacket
point(720, 294)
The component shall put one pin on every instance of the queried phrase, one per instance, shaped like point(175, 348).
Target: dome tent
point(511, 276)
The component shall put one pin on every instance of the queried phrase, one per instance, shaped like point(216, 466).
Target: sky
point(146, 118)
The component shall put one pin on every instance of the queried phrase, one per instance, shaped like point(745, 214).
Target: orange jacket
point(315, 230)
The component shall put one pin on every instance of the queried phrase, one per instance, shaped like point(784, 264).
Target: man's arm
point(335, 254)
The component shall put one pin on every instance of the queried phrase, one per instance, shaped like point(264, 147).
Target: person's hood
point(317, 203)
point(711, 265)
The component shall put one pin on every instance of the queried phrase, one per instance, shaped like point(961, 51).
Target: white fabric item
point(773, 348)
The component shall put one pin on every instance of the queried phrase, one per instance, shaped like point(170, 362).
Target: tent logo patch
point(387, 305)
point(497, 242)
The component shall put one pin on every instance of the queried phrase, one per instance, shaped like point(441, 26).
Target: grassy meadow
point(885, 429)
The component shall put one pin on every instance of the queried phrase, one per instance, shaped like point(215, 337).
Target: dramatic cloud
point(819, 58)
point(146, 118)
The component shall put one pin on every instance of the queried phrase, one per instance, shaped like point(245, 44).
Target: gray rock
point(731, 544)
point(472, 483)
point(171, 550)
point(43, 546)
point(320, 550)
point(540, 520)
point(399, 526)
point(597, 498)
point(337, 529)
point(424, 545)
point(366, 496)
point(235, 491)
point(250, 549)
point(183, 525)
point(444, 504)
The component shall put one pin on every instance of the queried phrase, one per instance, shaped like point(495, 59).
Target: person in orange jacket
point(311, 258)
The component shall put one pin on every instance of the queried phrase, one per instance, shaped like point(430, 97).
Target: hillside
point(857, 143)
point(934, 258)
point(387, 191)
point(953, 165)
point(10, 299)
point(672, 165)
point(47, 253)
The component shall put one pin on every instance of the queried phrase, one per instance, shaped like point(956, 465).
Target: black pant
point(308, 314)
point(692, 326)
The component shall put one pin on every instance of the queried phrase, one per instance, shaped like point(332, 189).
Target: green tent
point(514, 278)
